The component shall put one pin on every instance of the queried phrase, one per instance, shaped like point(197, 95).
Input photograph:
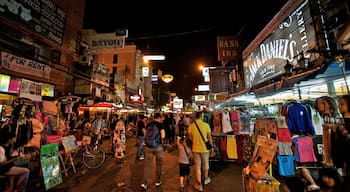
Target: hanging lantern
point(167, 78)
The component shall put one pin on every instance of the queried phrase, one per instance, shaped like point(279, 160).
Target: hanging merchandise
point(67, 109)
point(265, 127)
point(299, 120)
point(286, 165)
point(263, 154)
point(304, 149)
point(226, 122)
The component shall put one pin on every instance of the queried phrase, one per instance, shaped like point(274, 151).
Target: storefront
point(12, 87)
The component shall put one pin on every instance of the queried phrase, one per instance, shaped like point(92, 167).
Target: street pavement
point(114, 176)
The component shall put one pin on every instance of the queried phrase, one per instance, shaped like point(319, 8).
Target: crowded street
point(127, 177)
point(138, 96)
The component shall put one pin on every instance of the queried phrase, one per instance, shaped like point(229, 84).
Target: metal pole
point(340, 61)
point(126, 85)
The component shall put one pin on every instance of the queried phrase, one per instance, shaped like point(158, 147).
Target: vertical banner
point(228, 48)
point(50, 165)
point(31, 90)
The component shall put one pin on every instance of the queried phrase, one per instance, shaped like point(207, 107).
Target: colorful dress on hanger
point(217, 122)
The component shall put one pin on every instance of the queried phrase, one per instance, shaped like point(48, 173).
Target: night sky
point(185, 32)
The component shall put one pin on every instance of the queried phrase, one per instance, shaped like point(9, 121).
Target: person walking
point(154, 135)
point(199, 149)
point(140, 125)
point(120, 128)
point(112, 126)
point(98, 126)
point(185, 154)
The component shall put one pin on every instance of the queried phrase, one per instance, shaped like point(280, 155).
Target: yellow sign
point(167, 78)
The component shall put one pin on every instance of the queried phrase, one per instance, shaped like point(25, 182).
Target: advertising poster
point(69, 143)
point(50, 165)
point(264, 152)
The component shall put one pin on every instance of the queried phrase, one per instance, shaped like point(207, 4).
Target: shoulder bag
point(207, 143)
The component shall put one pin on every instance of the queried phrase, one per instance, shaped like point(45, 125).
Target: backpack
point(152, 137)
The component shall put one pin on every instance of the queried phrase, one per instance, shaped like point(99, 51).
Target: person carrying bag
point(200, 134)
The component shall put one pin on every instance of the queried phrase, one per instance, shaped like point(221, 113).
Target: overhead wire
point(177, 34)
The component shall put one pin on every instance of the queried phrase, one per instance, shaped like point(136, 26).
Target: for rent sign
point(25, 66)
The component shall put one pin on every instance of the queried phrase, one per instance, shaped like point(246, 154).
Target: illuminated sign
point(203, 88)
point(153, 58)
point(167, 78)
point(199, 98)
point(178, 103)
point(136, 98)
point(15, 85)
point(4, 82)
point(290, 33)
point(145, 72)
point(47, 90)
point(154, 79)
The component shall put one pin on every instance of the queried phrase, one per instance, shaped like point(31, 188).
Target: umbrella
point(105, 105)
point(68, 99)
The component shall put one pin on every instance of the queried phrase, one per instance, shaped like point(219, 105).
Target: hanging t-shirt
point(286, 165)
point(231, 147)
point(285, 148)
point(208, 118)
point(305, 149)
point(217, 122)
point(299, 121)
point(235, 121)
point(226, 122)
point(317, 121)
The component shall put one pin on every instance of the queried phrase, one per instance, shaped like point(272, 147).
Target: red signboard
point(136, 98)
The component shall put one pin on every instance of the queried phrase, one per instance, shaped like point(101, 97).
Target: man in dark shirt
point(140, 125)
point(154, 152)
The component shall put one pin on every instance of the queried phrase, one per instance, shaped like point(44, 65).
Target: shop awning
point(106, 105)
point(289, 82)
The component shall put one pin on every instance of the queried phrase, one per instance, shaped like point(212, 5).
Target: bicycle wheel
point(94, 157)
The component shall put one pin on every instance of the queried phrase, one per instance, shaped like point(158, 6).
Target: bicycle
point(91, 155)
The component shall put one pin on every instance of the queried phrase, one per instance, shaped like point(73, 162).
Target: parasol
point(105, 105)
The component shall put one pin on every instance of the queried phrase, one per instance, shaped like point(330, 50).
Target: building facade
point(39, 44)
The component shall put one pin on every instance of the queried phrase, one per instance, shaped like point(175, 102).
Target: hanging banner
point(50, 165)
point(31, 90)
point(25, 66)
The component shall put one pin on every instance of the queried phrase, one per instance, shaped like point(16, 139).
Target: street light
point(147, 63)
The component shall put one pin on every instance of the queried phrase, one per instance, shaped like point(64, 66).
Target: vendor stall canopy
point(332, 77)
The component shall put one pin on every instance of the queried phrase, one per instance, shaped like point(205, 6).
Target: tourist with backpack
point(154, 135)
